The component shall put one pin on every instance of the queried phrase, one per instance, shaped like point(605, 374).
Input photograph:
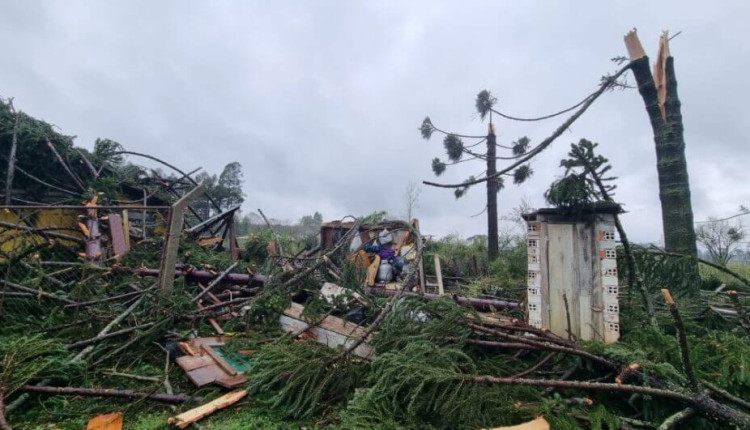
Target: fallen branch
point(676, 419)
point(107, 392)
point(215, 282)
point(3, 423)
point(726, 395)
point(681, 339)
point(201, 275)
point(100, 338)
point(65, 166)
point(279, 250)
point(546, 142)
point(109, 299)
point(729, 272)
point(701, 403)
point(40, 292)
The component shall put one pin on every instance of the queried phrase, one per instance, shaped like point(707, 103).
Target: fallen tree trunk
point(202, 276)
point(703, 404)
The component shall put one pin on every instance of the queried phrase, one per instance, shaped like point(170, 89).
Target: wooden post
point(126, 227)
point(143, 215)
point(420, 263)
point(172, 239)
point(439, 274)
point(93, 238)
point(233, 245)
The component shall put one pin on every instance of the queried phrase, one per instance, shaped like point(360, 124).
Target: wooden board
point(186, 418)
point(332, 331)
point(117, 233)
point(192, 362)
point(585, 251)
point(563, 269)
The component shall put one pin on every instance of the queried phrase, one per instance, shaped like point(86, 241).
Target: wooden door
point(563, 266)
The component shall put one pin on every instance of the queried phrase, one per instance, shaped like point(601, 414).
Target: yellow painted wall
point(15, 241)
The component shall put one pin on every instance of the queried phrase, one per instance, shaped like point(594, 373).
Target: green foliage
point(426, 128)
point(579, 187)
point(723, 358)
point(511, 267)
point(521, 146)
point(454, 147)
point(426, 385)
point(459, 192)
point(484, 103)
point(414, 319)
point(458, 257)
point(659, 271)
point(438, 167)
point(522, 173)
point(571, 191)
point(27, 358)
point(375, 217)
point(298, 380)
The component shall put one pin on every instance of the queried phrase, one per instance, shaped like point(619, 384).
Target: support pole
point(172, 240)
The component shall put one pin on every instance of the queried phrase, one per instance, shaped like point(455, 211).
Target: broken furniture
point(206, 363)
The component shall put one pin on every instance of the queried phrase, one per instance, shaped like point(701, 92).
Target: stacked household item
point(387, 255)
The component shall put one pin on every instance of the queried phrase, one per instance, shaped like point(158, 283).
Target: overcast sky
point(320, 101)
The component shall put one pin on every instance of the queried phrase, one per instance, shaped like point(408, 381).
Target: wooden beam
point(439, 274)
point(172, 239)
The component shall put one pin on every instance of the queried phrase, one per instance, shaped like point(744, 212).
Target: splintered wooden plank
point(207, 375)
point(192, 362)
point(232, 382)
point(332, 331)
point(335, 324)
point(660, 72)
point(117, 233)
point(111, 421)
point(208, 241)
point(187, 418)
point(326, 337)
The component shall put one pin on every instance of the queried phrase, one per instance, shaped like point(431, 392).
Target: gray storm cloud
point(320, 101)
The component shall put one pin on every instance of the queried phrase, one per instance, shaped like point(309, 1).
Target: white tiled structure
point(573, 258)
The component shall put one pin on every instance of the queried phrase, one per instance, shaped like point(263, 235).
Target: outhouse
point(572, 272)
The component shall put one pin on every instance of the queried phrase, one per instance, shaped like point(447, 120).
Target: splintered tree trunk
point(492, 236)
point(660, 96)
